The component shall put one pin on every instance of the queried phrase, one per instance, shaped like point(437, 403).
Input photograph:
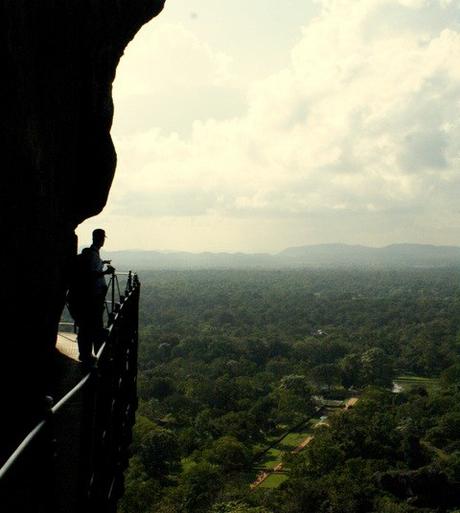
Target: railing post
point(129, 283)
point(113, 293)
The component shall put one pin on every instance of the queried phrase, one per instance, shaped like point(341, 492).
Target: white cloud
point(169, 78)
point(170, 51)
point(363, 120)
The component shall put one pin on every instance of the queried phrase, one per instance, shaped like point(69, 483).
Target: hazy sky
point(254, 125)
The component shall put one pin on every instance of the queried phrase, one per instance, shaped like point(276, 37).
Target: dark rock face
point(58, 60)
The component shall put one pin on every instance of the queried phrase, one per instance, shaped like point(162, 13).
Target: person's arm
point(96, 267)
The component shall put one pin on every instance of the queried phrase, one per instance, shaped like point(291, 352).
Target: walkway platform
point(67, 370)
point(67, 344)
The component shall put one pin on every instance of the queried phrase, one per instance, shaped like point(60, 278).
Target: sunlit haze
point(255, 125)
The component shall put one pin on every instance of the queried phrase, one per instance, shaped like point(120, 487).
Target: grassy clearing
point(273, 481)
point(274, 455)
point(292, 440)
point(442, 455)
point(271, 458)
point(408, 382)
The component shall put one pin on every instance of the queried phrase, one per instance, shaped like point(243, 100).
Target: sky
point(256, 125)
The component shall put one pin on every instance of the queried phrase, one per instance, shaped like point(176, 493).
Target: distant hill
point(144, 260)
point(405, 255)
point(315, 256)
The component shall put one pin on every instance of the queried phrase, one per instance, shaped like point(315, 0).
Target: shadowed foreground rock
point(58, 63)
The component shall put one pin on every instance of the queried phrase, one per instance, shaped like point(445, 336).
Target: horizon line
point(344, 244)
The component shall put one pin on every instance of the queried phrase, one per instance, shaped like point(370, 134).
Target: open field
point(273, 481)
point(408, 382)
point(274, 455)
point(292, 440)
point(271, 458)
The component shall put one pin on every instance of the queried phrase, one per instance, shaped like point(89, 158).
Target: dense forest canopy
point(237, 365)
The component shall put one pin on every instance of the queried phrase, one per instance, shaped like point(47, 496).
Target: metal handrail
point(21, 448)
point(32, 435)
point(71, 393)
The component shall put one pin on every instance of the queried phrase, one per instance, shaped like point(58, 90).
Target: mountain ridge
point(308, 256)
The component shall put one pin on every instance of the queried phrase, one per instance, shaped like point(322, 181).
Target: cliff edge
point(58, 61)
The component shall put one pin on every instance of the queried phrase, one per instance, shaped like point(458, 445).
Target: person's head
point(98, 237)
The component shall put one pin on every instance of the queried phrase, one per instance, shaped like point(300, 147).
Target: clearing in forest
point(271, 475)
point(407, 382)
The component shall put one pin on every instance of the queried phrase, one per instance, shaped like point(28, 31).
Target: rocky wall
point(58, 60)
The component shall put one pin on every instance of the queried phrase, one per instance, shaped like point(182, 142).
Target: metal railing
point(73, 460)
point(114, 298)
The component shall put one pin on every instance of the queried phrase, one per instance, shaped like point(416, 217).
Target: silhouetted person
point(86, 297)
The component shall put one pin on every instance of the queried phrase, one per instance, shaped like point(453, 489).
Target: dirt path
point(350, 403)
point(259, 479)
point(304, 443)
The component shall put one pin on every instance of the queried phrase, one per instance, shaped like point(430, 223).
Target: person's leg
point(85, 345)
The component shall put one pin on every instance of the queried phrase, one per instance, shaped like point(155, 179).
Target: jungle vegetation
point(230, 361)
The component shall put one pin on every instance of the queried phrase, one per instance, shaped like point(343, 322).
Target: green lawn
point(273, 481)
point(408, 382)
point(292, 440)
point(274, 455)
point(271, 458)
